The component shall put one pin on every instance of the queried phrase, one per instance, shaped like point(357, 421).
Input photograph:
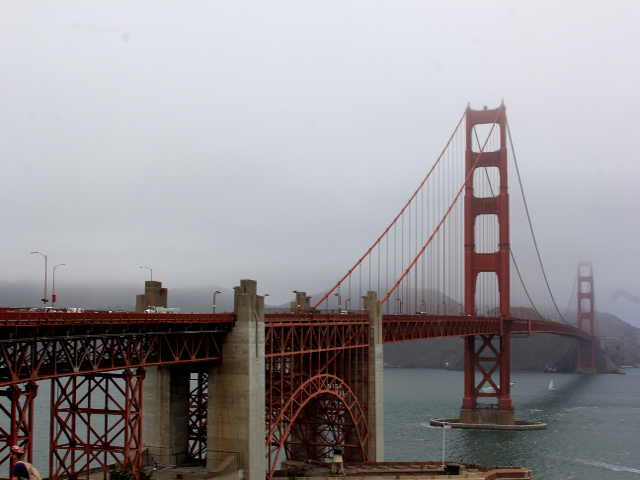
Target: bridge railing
point(306, 318)
point(46, 318)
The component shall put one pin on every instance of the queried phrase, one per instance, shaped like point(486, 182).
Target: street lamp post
point(214, 300)
point(149, 298)
point(45, 299)
point(53, 293)
point(401, 303)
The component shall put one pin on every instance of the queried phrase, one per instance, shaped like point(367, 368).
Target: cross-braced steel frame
point(96, 421)
point(41, 358)
point(16, 409)
point(198, 398)
point(317, 386)
point(64, 347)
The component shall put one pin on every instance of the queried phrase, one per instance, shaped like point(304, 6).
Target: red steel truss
point(198, 398)
point(404, 328)
point(317, 386)
point(41, 358)
point(586, 314)
point(38, 346)
point(96, 420)
point(17, 415)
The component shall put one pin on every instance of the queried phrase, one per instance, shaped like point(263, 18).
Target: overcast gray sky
point(213, 141)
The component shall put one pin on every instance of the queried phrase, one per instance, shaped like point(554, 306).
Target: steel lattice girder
point(198, 398)
point(487, 354)
point(403, 328)
point(19, 416)
point(96, 419)
point(31, 360)
point(317, 386)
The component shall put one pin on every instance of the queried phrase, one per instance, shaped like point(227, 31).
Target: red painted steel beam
point(38, 359)
point(96, 419)
point(23, 325)
point(18, 419)
point(404, 328)
point(198, 407)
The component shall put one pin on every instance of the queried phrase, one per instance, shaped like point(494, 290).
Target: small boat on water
point(551, 387)
point(512, 384)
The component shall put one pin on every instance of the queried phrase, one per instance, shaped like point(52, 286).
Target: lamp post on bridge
point(53, 293)
point(438, 309)
point(46, 258)
point(401, 303)
point(214, 300)
point(339, 302)
point(149, 299)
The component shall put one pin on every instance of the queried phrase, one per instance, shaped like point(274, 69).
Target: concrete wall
point(376, 366)
point(236, 409)
point(302, 303)
point(154, 295)
point(165, 414)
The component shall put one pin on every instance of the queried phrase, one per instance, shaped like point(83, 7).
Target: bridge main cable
point(448, 210)
point(359, 262)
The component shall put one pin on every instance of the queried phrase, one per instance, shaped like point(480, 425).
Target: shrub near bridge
point(121, 472)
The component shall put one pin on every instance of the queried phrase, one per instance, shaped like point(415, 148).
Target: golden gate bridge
point(460, 259)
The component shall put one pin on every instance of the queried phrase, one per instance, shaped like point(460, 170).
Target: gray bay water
point(593, 423)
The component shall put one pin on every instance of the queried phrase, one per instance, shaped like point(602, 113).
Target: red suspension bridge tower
point(586, 314)
point(483, 356)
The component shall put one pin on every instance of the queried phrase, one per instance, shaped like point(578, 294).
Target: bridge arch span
point(322, 412)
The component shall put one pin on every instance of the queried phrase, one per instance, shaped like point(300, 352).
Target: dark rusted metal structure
point(198, 398)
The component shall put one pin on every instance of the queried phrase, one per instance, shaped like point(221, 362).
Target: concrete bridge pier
point(236, 408)
point(165, 417)
point(376, 365)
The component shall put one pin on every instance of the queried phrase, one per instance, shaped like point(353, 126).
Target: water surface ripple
point(593, 423)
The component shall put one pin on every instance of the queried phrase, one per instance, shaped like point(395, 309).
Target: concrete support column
point(376, 365)
point(165, 414)
point(236, 409)
point(302, 303)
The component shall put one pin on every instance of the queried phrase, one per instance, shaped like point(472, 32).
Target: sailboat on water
point(551, 387)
